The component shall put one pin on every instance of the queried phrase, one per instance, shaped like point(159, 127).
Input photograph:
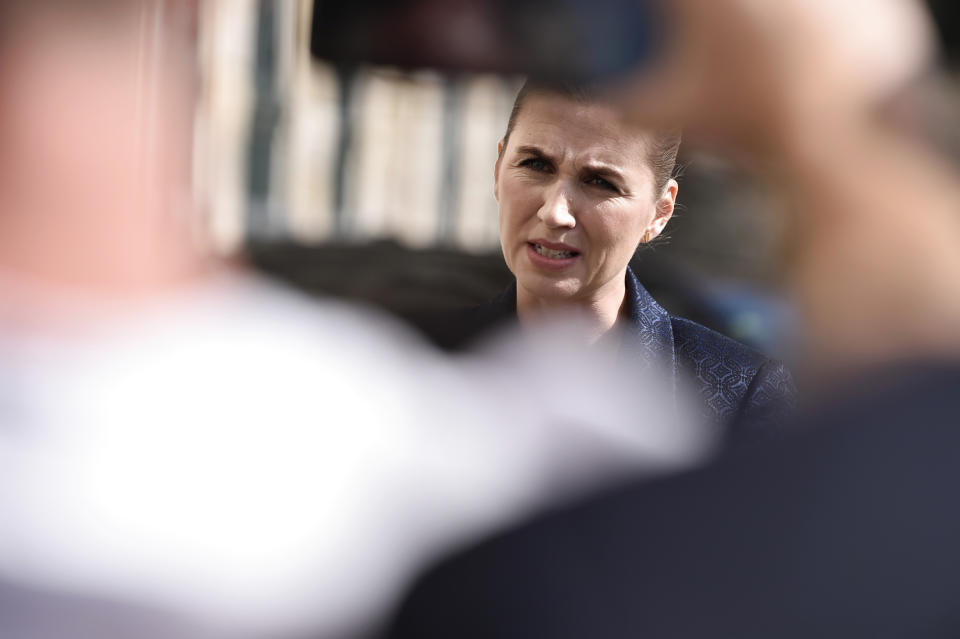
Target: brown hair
point(662, 148)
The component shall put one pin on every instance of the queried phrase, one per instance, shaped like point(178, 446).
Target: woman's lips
point(551, 257)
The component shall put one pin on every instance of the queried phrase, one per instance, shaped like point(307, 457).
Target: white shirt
point(271, 465)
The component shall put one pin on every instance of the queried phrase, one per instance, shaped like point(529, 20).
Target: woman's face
point(576, 195)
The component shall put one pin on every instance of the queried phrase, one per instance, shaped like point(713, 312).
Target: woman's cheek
point(610, 240)
point(627, 228)
point(522, 199)
point(512, 225)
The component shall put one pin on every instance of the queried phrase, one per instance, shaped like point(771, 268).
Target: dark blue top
point(736, 385)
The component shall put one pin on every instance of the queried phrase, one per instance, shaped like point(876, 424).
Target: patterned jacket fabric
point(736, 386)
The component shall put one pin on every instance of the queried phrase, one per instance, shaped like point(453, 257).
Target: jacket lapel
point(648, 331)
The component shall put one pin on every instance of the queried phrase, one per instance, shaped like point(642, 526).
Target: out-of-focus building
point(294, 149)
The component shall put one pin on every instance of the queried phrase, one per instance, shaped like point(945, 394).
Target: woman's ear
point(496, 171)
point(666, 205)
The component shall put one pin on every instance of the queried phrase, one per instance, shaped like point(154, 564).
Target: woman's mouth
point(551, 258)
point(553, 254)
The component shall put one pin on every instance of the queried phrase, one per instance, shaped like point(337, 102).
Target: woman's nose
point(557, 211)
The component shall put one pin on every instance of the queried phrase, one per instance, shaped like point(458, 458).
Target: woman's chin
point(557, 289)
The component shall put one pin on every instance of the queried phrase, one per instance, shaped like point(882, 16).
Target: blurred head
point(96, 112)
point(579, 189)
point(73, 82)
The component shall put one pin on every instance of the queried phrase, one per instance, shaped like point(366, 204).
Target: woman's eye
point(536, 164)
point(603, 184)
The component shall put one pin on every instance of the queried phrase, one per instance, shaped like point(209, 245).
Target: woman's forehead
point(593, 130)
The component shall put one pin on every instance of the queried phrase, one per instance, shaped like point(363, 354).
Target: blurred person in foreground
point(847, 528)
point(187, 451)
point(580, 190)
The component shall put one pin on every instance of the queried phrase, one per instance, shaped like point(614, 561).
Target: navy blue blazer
point(735, 385)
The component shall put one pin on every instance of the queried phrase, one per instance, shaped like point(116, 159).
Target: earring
point(646, 236)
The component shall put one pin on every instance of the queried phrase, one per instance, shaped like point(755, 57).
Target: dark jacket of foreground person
point(845, 530)
point(734, 385)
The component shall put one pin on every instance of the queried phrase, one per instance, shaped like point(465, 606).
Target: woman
point(578, 191)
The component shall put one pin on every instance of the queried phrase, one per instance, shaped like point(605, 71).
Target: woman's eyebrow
point(534, 150)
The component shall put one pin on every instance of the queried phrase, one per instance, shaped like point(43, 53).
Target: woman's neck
point(598, 311)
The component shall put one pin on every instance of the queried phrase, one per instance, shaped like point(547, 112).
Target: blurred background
point(375, 184)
